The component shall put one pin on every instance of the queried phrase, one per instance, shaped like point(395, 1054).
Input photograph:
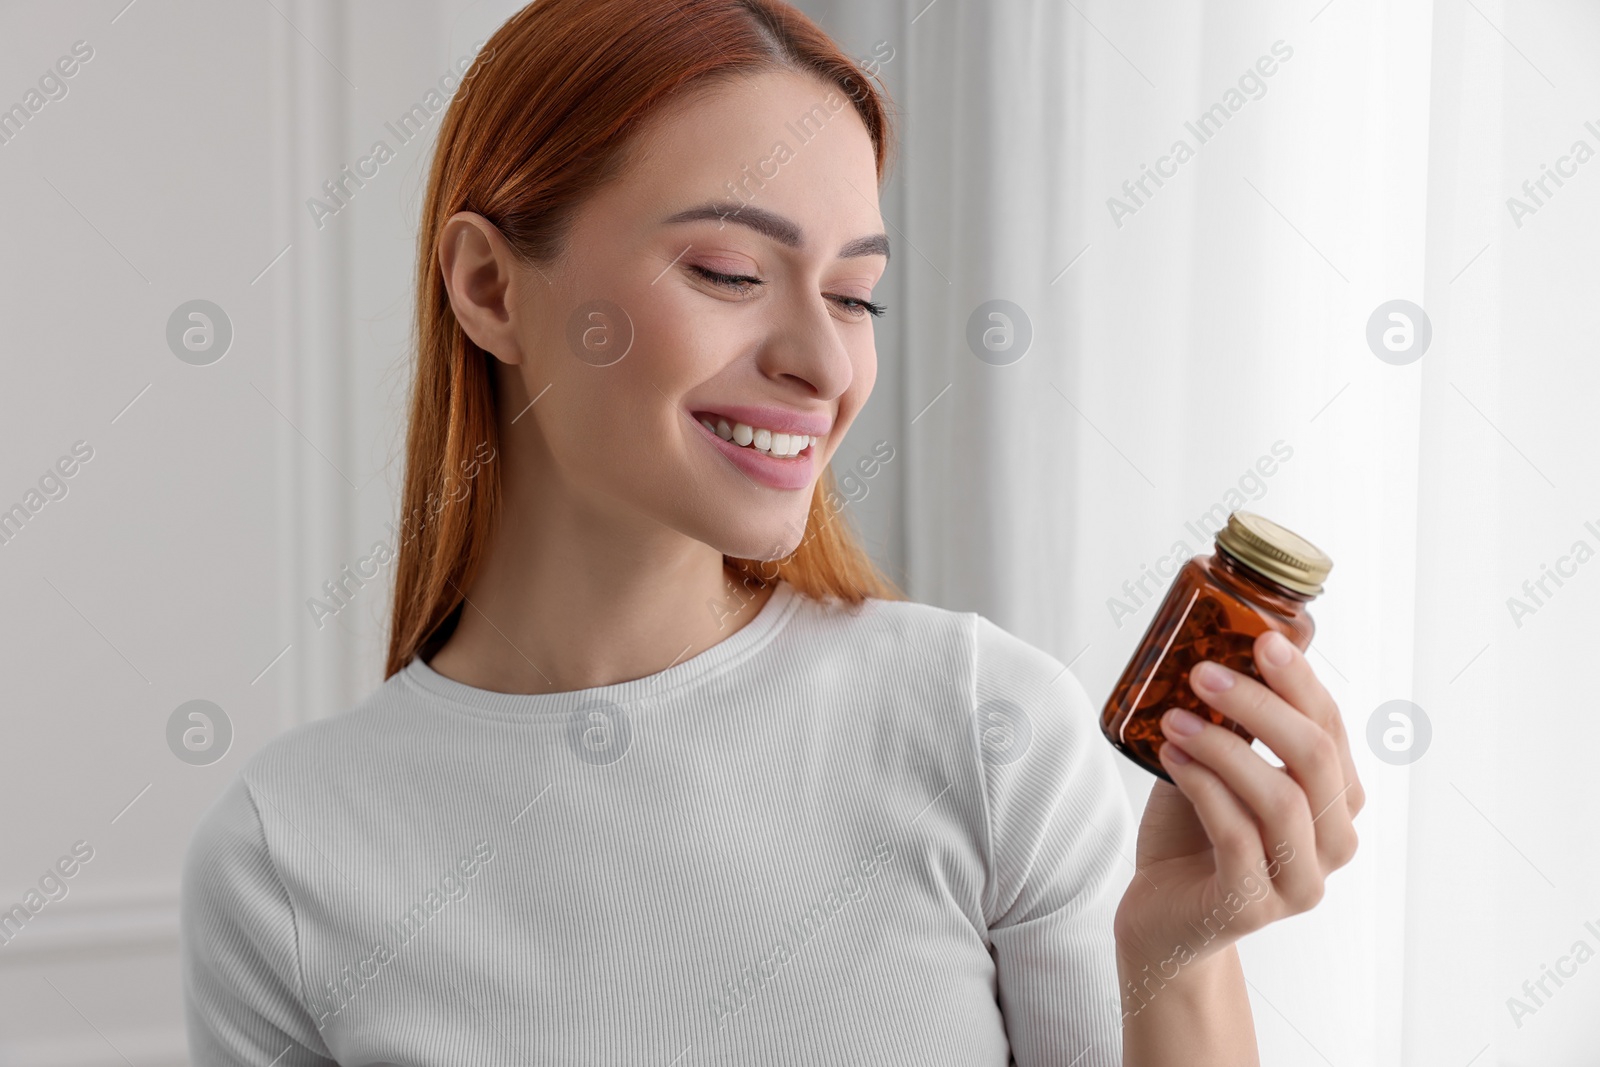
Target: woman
point(662, 770)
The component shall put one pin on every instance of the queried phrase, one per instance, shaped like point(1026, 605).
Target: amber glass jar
point(1260, 577)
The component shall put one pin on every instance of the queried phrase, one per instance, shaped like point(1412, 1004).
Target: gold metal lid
point(1278, 554)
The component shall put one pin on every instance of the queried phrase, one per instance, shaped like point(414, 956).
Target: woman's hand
point(1239, 843)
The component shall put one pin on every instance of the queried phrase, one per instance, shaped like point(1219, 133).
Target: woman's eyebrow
point(775, 226)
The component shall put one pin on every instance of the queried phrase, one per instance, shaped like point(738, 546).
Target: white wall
point(217, 498)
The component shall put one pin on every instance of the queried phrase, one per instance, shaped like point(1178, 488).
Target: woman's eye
point(858, 307)
point(854, 306)
point(728, 281)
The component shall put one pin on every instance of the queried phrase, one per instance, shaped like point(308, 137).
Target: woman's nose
point(806, 345)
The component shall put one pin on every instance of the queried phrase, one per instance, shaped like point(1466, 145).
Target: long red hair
point(542, 118)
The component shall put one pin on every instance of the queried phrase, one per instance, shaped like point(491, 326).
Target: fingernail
point(1176, 755)
point(1213, 676)
point(1184, 723)
point(1276, 649)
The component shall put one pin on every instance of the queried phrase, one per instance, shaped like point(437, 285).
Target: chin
point(773, 539)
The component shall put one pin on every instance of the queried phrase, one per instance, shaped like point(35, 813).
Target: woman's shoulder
point(315, 757)
point(997, 657)
point(299, 777)
point(1016, 694)
point(885, 618)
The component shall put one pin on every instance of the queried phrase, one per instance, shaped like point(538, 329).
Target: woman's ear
point(482, 279)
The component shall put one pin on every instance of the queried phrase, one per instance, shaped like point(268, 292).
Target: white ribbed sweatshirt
point(890, 834)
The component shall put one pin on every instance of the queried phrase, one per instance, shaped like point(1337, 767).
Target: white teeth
point(775, 444)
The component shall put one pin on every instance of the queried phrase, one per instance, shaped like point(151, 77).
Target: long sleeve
point(239, 963)
point(1060, 824)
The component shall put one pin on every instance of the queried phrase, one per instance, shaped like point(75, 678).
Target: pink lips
point(778, 420)
point(794, 472)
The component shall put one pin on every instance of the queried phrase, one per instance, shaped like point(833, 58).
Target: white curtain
point(1504, 880)
point(1201, 344)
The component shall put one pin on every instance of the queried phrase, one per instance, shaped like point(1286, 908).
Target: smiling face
point(665, 318)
